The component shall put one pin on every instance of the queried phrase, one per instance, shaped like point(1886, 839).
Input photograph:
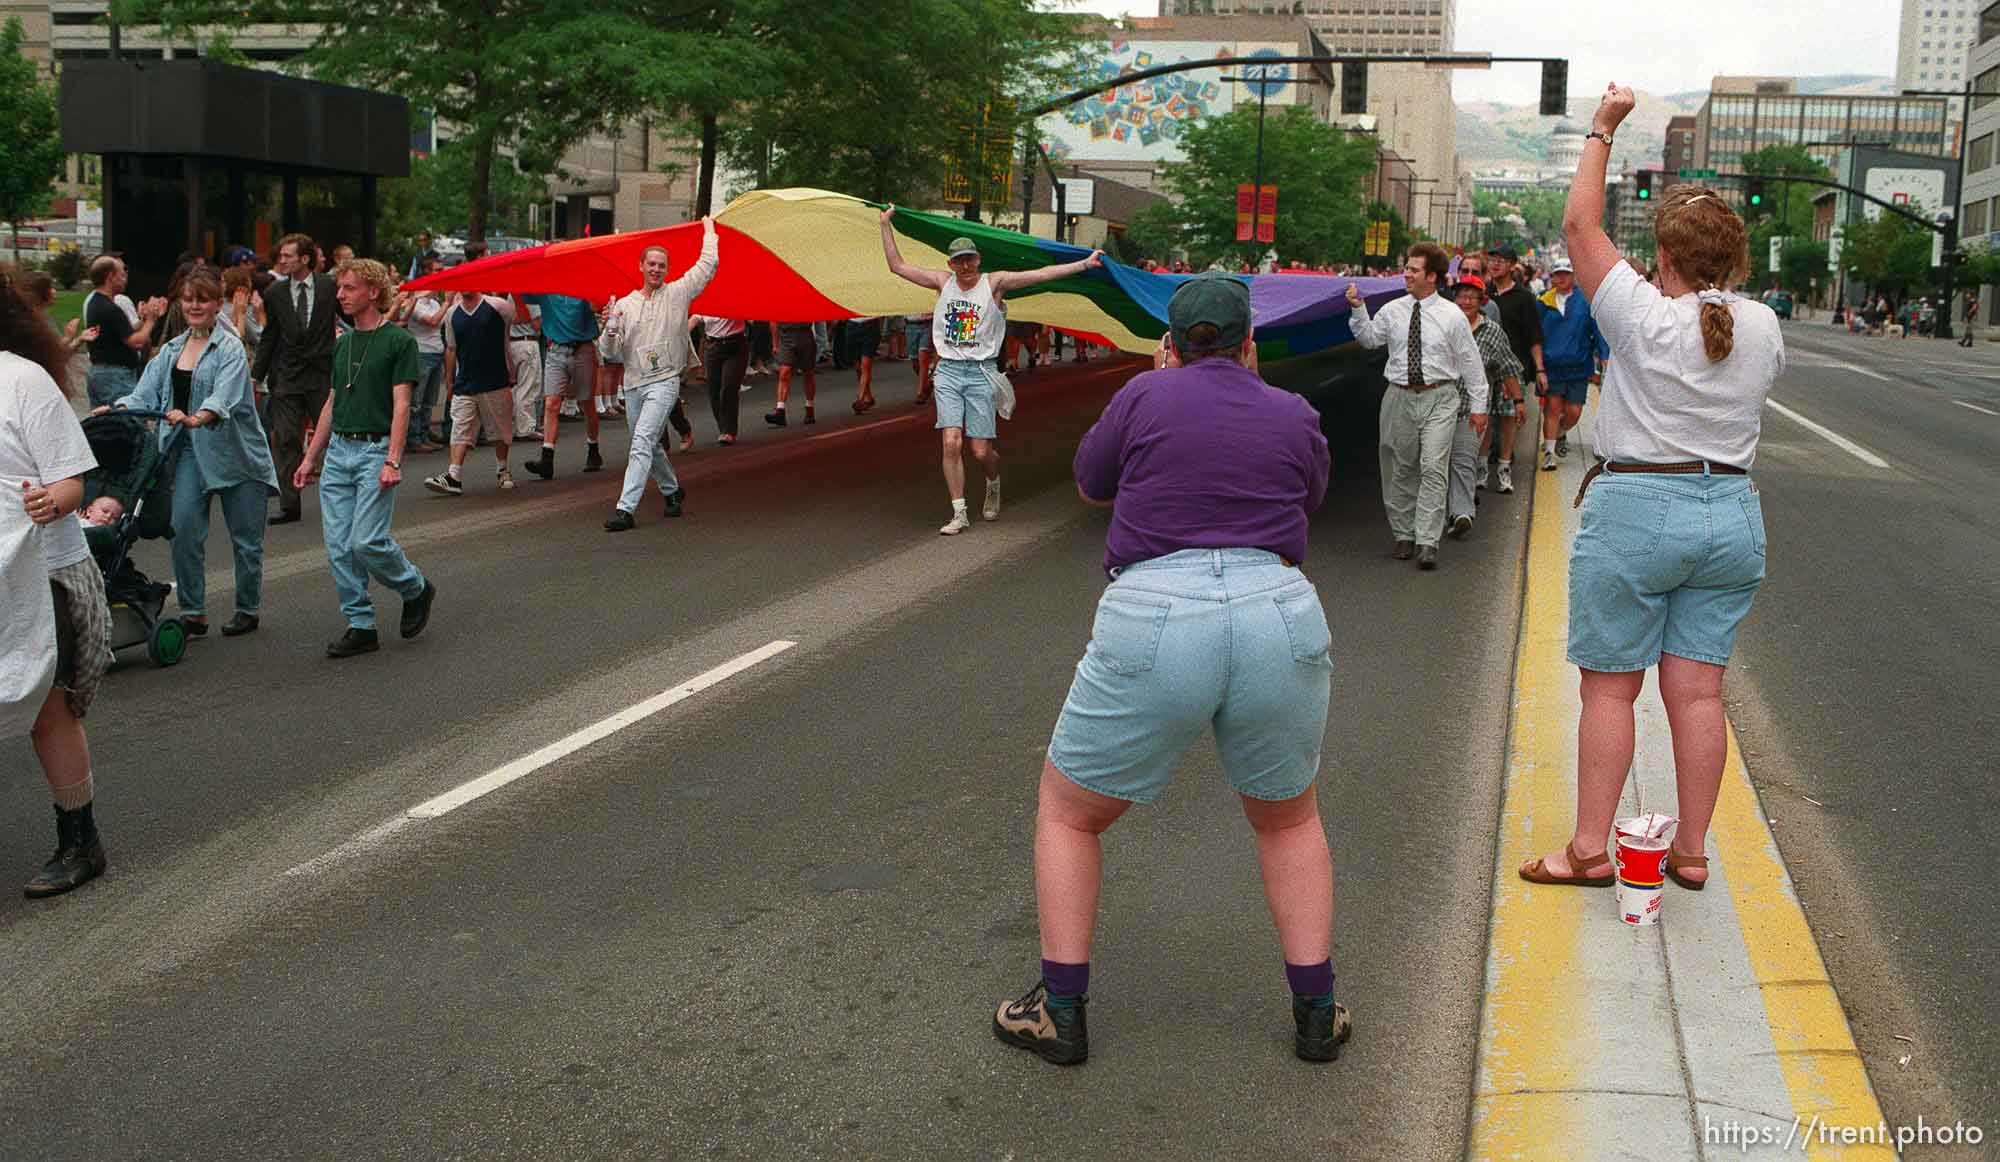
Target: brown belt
point(1419, 387)
point(1682, 468)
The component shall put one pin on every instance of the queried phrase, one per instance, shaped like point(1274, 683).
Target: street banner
point(1267, 214)
point(1246, 201)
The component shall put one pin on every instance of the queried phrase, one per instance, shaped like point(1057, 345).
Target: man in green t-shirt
point(360, 439)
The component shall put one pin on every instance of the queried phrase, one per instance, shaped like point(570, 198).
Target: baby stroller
point(133, 469)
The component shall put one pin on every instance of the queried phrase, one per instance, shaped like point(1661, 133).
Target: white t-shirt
point(40, 441)
point(1666, 403)
point(968, 324)
point(425, 323)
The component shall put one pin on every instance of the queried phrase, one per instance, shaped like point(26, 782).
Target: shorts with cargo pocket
point(1229, 639)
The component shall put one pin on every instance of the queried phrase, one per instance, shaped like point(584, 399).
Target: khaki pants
point(525, 357)
point(1416, 436)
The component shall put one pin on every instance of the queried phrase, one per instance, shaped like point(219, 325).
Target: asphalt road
point(773, 919)
point(1864, 691)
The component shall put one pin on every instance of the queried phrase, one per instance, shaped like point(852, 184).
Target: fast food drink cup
point(1642, 865)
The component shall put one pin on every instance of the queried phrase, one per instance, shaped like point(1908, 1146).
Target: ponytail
point(1718, 331)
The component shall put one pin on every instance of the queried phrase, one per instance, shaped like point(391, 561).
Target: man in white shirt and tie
point(1432, 356)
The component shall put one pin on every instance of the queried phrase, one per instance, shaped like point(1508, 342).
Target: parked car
point(452, 249)
point(1780, 303)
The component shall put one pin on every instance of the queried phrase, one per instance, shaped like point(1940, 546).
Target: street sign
point(1265, 81)
point(1777, 251)
point(1697, 174)
point(1937, 248)
point(1079, 196)
point(1833, 250)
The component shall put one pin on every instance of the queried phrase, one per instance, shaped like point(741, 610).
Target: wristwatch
point(396, 464)
point(1604, 137)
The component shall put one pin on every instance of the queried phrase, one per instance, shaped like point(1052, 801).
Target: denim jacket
point(233, 449)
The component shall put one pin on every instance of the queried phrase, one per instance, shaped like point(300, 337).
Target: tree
point(878, 103)
point(437, 197)
point(1890, 254)
point(31, 154)
point(1786, 211)
point(533, 76)
point(1318, 169)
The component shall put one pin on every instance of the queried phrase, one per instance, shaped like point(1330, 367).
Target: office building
point(1348, 26)
point(1746, 114)
point(1679, 152)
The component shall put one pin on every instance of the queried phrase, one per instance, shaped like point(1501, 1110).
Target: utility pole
point(1948, 219)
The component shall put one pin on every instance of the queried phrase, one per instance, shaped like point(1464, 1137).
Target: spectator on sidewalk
point(1503, 380)
point(648, 329)
point(478, 383)
point(295, 360)
point(57, 643)
point(1574, 353)
point(123, 335)
point(1430, 347)
point(968, 326)
point(1671, 548)
point(360, 439)
point(1207, 623)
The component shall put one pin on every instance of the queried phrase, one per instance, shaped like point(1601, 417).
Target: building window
point(1985, 84)
point(1975, 220)
point(1989, 23)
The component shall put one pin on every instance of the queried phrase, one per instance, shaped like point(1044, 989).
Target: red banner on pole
point(1267, 213)
point(1246, 200)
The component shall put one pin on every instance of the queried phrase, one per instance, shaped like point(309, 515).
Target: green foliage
point(1787, 207)
point(1318, 169)
point(67, 265)
point(1541, 208)
point(879, 100)
point(1980, 267)
point(31, 155)
point(437, 197)
point(1891, 254)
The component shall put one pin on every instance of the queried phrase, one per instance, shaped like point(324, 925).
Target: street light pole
point(1258, 79)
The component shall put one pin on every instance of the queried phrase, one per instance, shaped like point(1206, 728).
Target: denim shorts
point(964, 393)
point(919, 334)
point(1576, 391)
point(1663, 564)
point(1233, 639)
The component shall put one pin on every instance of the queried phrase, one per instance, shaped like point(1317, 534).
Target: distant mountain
point(1492, 134)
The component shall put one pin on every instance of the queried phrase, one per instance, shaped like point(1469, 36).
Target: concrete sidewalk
point(1715, 1033)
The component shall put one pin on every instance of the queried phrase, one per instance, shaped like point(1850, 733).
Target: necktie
point(1416, 375)
point(304, 301)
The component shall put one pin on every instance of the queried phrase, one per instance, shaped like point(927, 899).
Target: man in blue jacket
point(1574, 353)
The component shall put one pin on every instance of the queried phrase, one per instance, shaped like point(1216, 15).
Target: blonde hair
point(1711, 250)
point(374, 274)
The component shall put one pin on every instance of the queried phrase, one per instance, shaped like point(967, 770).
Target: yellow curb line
point(1526, 1105)
point(1822, 1067)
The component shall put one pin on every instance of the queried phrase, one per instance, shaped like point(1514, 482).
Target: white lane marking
point(1976, 407)
point(1858, 370)
point(1835, 438)
point(865, 427)
point(526, 765)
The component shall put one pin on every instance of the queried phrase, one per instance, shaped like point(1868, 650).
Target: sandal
point(1676, 863)
point(1536, 871)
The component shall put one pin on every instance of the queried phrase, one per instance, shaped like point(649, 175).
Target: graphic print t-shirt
point(968, 324)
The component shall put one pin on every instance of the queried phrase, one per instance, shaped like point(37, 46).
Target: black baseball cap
point(1506, 251)
point(1213, 298)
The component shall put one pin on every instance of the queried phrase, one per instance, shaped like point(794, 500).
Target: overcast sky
point(1660, 47)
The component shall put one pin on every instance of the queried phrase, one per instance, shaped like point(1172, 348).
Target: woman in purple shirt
point(1211, 475)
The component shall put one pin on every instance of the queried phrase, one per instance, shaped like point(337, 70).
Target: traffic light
point(1754, 193)
point(1353, 87)
point(1643, 180)
point(1555, 88)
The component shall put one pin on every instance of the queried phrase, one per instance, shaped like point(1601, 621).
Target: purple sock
point(1311, 980)
point(1066, 980)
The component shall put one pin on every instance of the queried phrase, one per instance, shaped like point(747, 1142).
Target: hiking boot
point(1319, 1030)
point(544, 465)
point(445, 483)
point(1057, 1033)
point(354, 641)
point(417, 610)
point(956, 525)
point(593, 460)
point(78, 859)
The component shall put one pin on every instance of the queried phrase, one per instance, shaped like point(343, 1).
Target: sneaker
point(1319, 1032)
point(1548, 461)
point(621, 521)
point(445, 483)
point(674, 501)
point(593, 460)
point(1506, 483)
point(506, 479)
point(417, 610)
point(775, 417)
point(1479, 482)
point(1562, 444)
point(991, 509)
point(78, 859)
point(1460, 525)
point(956, 525)
point(1057, 1033)
point(354, 641)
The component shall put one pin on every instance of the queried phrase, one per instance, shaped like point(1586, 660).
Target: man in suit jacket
point(295, 359)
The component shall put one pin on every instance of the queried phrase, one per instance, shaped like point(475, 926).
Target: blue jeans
point(108, 385)
point(242, 512)
point(355, 512)
point(1229, 639)
point(1663, 564)
point(647, 408)
point(424, 398)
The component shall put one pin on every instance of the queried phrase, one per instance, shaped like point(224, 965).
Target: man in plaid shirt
point(1503, 372)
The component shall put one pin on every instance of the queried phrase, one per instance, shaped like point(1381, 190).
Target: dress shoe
point(674, 501)
point(417, 610)
point(239, 625)
point(1404, 550)
point(354, 641)
point(1427, 557)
